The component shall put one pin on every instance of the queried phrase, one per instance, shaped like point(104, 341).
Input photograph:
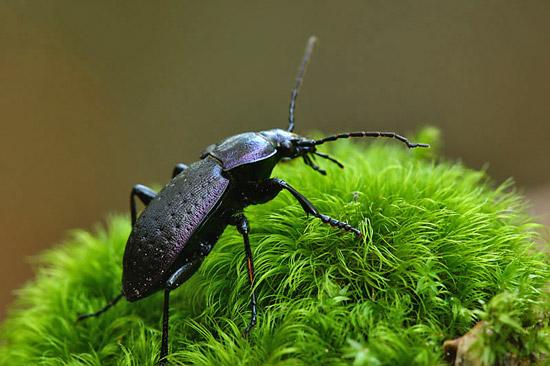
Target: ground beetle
point(181, 224)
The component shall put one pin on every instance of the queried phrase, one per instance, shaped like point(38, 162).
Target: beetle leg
point(181, 275)
point(165, 312)
point(241, 224)
point(145, 194)
point(277, 185)
point(180, 167)
point(102, 310)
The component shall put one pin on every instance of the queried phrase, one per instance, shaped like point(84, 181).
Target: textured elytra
point(167, 225)
point(242, 149)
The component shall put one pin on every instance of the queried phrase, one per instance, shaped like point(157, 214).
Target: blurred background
point(97, 96)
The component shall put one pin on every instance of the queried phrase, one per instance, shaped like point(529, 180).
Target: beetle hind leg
point(145, 194)
point(102, 310)
point(180, 167)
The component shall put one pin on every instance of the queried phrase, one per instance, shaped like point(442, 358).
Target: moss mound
point(440, 242)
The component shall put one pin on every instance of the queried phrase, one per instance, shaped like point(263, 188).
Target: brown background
point(97, 96)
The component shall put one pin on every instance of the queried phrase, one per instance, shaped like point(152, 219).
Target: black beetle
point(181, 224)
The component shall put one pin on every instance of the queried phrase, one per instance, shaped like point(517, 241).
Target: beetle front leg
point(180, 167)
point(145, 194)
point(241, 223)
point(271, 187)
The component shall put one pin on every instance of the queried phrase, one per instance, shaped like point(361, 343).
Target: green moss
point(440, 242)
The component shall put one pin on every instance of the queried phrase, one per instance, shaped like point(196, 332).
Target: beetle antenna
point(325, 156)
point(299, 78)
point(394, 135)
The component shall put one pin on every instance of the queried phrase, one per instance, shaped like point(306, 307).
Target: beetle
point(181, 224)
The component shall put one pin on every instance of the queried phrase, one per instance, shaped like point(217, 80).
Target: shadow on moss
point(440, 242)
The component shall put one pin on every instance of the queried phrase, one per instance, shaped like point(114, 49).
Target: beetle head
point(290, 146)
point(284, 142)
point(287, 143)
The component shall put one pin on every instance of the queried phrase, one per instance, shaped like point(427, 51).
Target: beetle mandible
point(181, 224)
